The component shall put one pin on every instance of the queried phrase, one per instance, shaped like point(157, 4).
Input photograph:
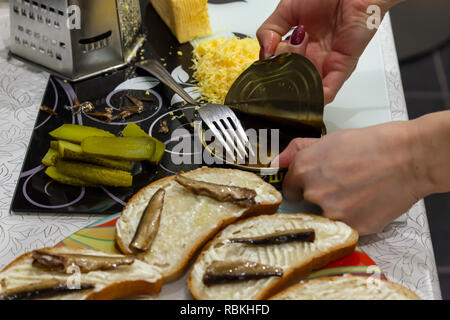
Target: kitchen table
point(403, 250)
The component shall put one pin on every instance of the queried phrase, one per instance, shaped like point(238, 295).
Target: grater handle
point(155, 68)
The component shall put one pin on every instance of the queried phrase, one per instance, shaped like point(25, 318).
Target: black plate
point(37, 193)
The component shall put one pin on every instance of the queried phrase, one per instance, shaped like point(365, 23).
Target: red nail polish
point(261, 54)
point(298, 35)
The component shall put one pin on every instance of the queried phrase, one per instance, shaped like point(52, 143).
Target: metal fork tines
point(220, 119)
point(227, 129)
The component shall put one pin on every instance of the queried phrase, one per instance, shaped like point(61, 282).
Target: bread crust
point(127, 289)
point(17, 260)
point(296, 273)
point(119, 243)
point(403, 290)
point(255, 210)
point(114, 290)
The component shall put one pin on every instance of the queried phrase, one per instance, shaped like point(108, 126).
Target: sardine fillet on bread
point(346, 287)
point(189, 220)
point(137, 278)
point(332, 241)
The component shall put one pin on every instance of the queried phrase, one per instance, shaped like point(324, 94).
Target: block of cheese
point(187, 19)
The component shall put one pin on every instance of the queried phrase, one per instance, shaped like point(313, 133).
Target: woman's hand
point(336, 35)
point(363, 177)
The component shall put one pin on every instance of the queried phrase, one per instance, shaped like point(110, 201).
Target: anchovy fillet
point(243, 197)
point(229, 271)
point(65, 262)
point(149, 223)
point(280, 237)
point(43, 289)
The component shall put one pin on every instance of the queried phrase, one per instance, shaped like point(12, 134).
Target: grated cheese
point(219, 62)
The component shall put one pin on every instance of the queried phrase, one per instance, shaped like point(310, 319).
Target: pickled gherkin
point(125, 148)
point(94, 174)
point(160, 148)
point(133, 130)
point(68, 150)
point(50, 157)
point(53, 173)
point(76, 133)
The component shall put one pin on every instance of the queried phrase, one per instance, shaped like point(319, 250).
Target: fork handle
point(155, 68)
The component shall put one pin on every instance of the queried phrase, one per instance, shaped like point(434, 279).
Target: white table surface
point(403, 250)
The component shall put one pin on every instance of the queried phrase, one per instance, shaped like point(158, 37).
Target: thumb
point(269, 41)
point(284, 159)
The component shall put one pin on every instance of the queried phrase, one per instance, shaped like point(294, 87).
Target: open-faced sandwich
point(77, 274)
point(346, 287)
point(259, 256)
point(165, 223)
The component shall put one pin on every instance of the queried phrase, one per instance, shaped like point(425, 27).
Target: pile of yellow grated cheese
point(219, 62)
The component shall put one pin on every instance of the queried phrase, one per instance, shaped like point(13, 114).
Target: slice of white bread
point(333, 240)
point(346, 287)
point(123, 281)
point(188, 220)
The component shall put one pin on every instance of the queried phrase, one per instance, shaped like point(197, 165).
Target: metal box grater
point(75, 39)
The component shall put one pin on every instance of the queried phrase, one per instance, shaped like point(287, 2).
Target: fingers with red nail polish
point(298, 35)
point(298, 40)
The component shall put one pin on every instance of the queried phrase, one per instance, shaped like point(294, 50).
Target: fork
point(221, 120)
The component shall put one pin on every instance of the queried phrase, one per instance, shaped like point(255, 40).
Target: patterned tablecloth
point(403, 251)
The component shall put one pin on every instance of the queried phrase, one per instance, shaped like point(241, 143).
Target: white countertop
point(403, 250)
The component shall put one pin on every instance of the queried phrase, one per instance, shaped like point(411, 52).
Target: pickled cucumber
point(68, 150)
point(94, 174)
point(133, 130)
point(76, 133)
point(50, 157)
point(125, 148)
point(160, 148)
point(54, 144)
point(53, 173)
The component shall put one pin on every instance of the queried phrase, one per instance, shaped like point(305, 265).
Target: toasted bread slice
point(332, 240)
point(346, 287)
point(125, 280)
point(189, 220)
